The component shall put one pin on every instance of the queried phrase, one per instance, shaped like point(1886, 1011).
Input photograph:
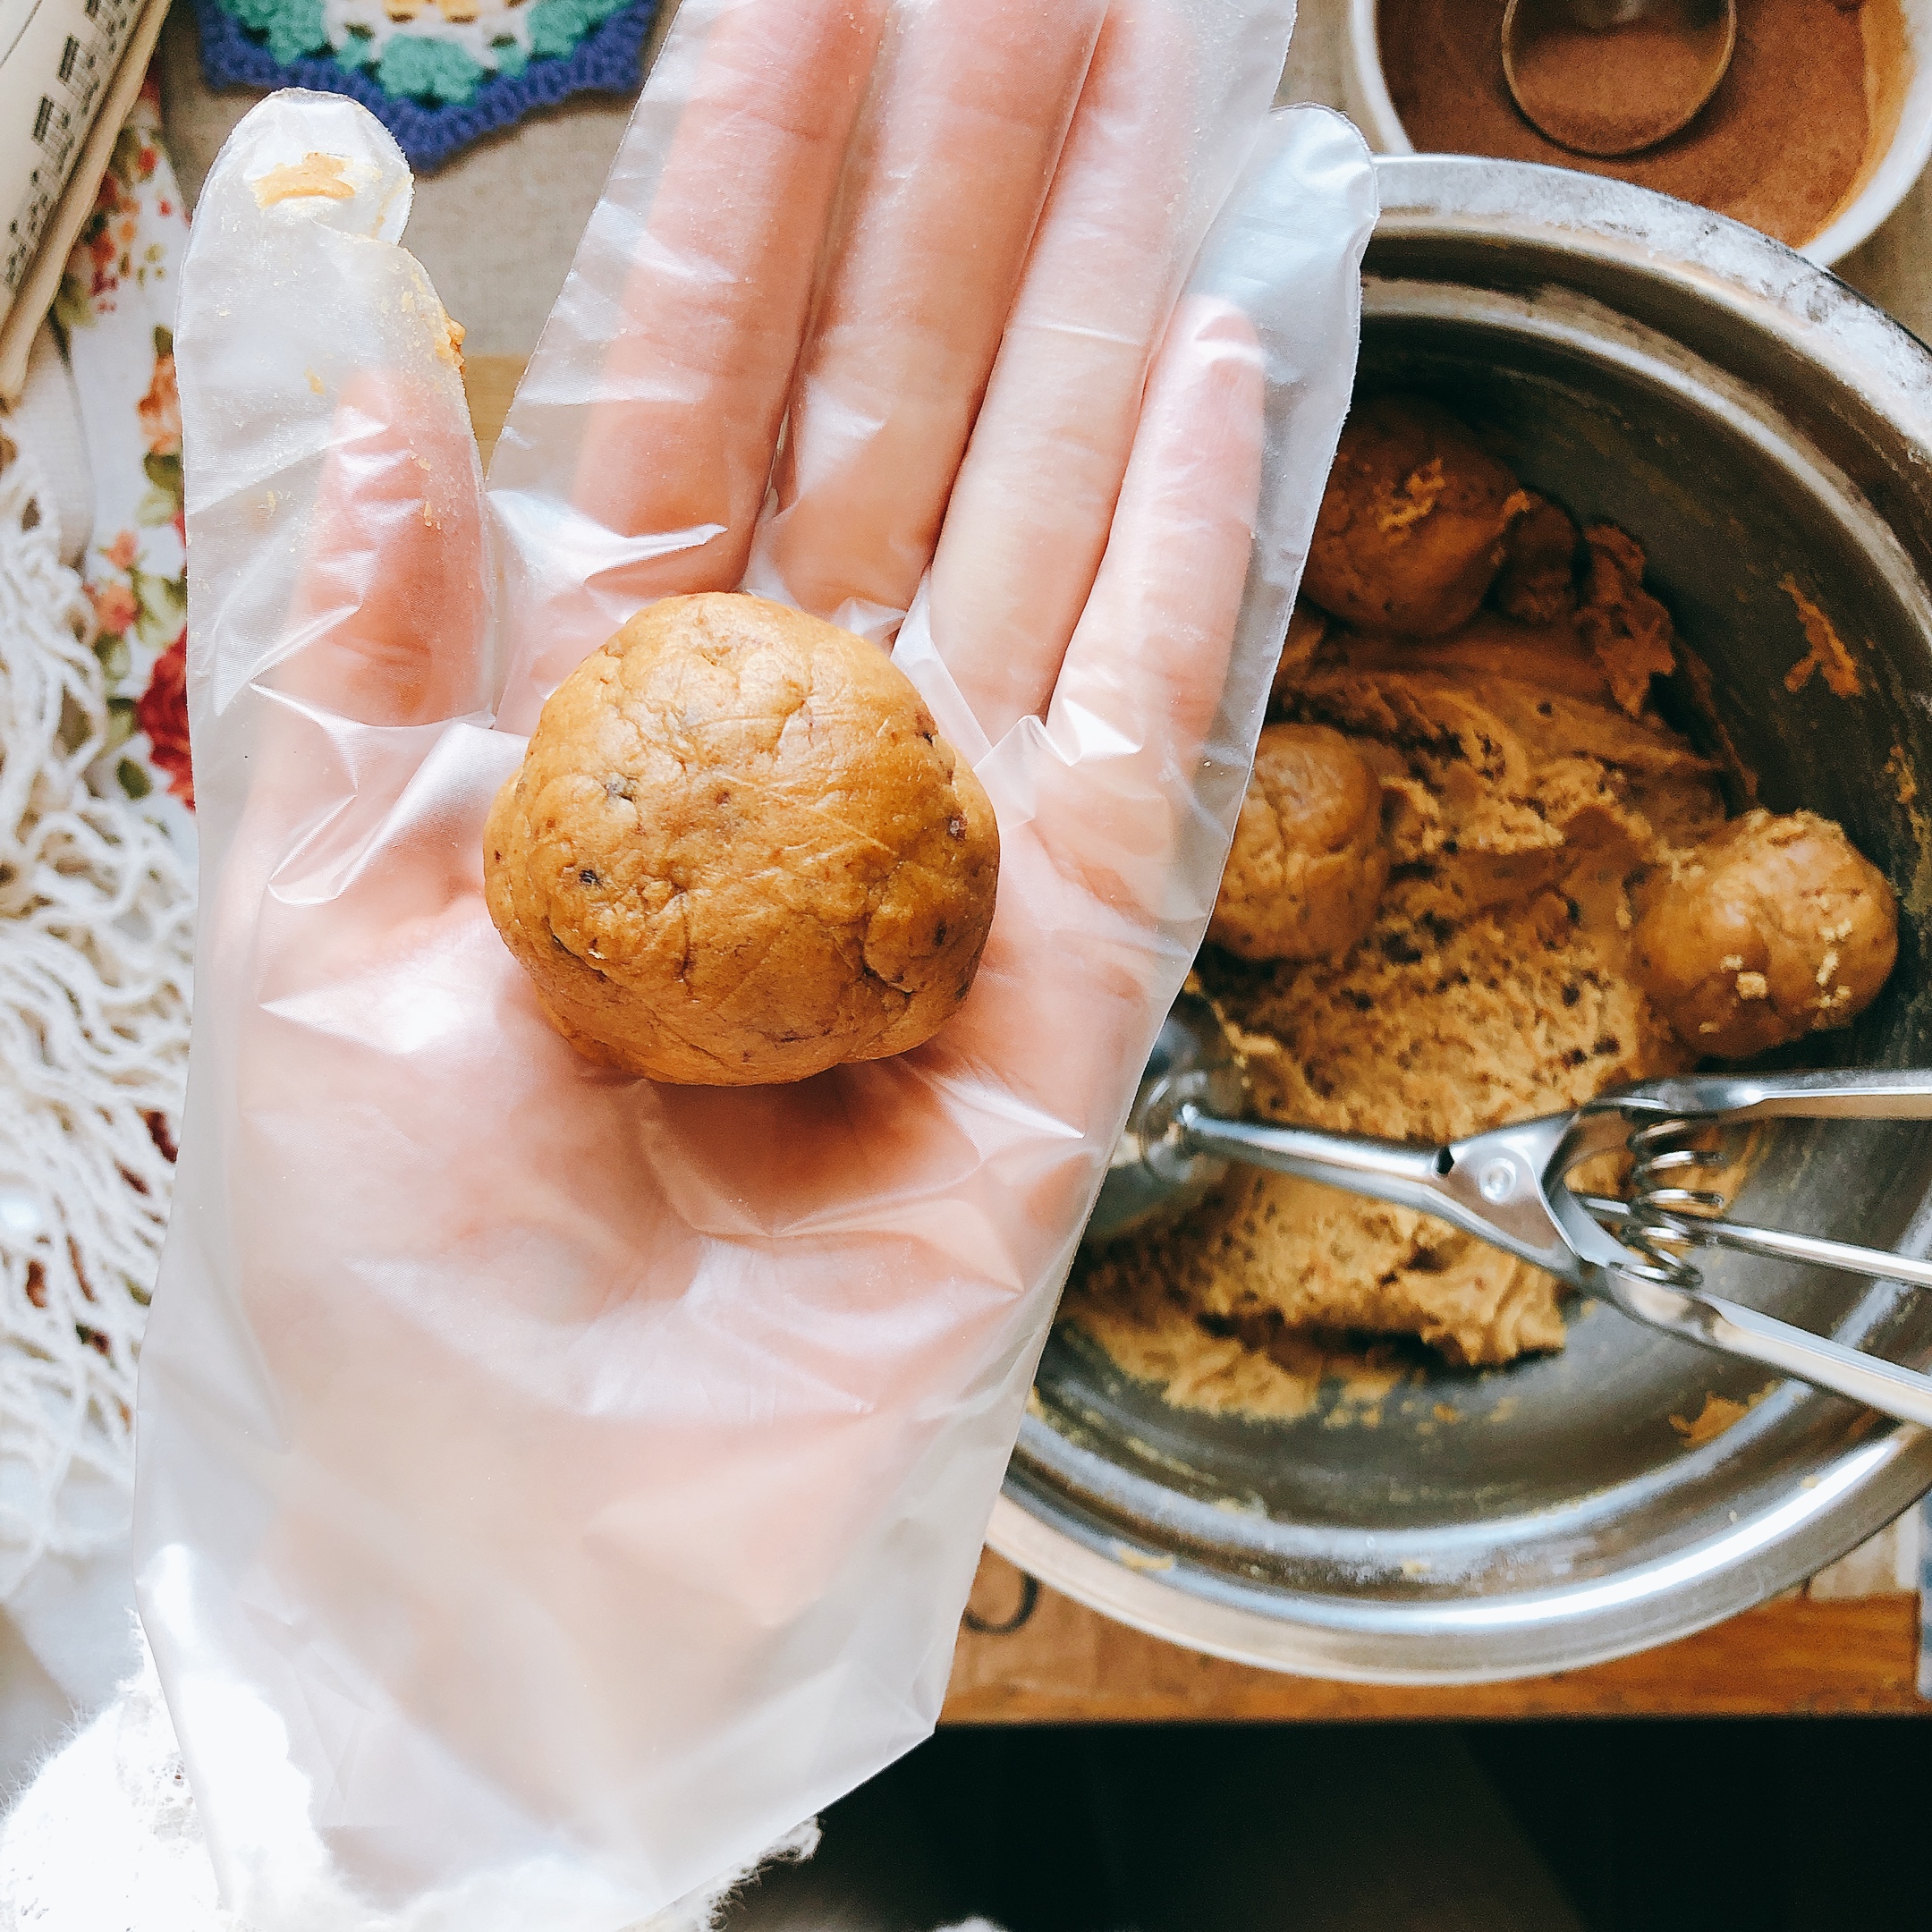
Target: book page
point(58, 61)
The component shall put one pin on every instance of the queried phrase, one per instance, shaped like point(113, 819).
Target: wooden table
point(1067, 1663)
point(1799, 1656)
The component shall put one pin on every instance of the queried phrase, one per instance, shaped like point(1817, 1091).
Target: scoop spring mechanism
point(1650, 1219)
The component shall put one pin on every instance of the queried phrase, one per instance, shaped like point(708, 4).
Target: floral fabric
point(116, 310)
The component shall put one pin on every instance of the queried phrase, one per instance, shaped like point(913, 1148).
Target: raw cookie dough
point(738, 851)
point(1494, 985)
point(1567, 911)
point(1306, 627)
point(1537, 580)
point(1309, 861)
point(1412, 525)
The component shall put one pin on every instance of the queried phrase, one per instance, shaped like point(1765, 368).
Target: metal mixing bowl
point(1752, 422)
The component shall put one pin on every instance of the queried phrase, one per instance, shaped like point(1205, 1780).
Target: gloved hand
point(552, 1486)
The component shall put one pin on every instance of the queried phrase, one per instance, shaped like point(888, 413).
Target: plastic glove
point(553, 1486)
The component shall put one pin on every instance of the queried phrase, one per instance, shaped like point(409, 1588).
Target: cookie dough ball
point(1309, 862)
point(738, 851)
point(1775, 928)
point(1411, 530)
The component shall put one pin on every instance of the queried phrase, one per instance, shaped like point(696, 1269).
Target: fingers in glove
point(684, 316)
point(387, 621)
point(1028, 520)
point(333, 499)
point(948, 180)
point(388, 630)
point(1145, 672)
point(716, 302)
point(1110, 795)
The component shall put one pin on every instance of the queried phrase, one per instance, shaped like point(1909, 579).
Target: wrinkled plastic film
point(553, 1487)
point(1290, 279)
point(575, 566)
point(580, 551)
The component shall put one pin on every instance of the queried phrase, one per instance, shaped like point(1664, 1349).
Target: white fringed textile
point(96, 917)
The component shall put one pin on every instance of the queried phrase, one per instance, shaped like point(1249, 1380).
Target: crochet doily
point(96, 918)
point(436, 73)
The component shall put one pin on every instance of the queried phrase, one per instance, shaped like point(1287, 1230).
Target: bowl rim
point(1905, 157)
point(1047, 1520)
point(1131, 1585)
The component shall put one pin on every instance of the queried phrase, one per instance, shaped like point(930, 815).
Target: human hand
point(548, 1458)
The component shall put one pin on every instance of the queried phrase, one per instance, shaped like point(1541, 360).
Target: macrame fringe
point(96, 913)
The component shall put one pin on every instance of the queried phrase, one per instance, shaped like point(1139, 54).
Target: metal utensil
point(1510, 1188)
point(1613, 77)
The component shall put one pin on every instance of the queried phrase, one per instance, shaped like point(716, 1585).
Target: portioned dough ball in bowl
point(738, 851)
point(1775, 928)
point(1309, 861)
point(1410, 532)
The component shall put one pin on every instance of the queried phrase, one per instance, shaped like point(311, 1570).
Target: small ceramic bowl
point(1902, 107)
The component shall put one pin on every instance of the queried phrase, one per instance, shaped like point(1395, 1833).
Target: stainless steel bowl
point(1751, 421)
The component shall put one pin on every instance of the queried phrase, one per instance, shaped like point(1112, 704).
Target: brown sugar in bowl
point(1814, 152)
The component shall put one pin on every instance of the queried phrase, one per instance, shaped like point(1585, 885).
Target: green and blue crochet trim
point(437, 74)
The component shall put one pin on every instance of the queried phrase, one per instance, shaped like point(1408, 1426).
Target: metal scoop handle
point(1490, 1186)
point(1507, 1188)
point(1715, 1323)
point(1900, 1093)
